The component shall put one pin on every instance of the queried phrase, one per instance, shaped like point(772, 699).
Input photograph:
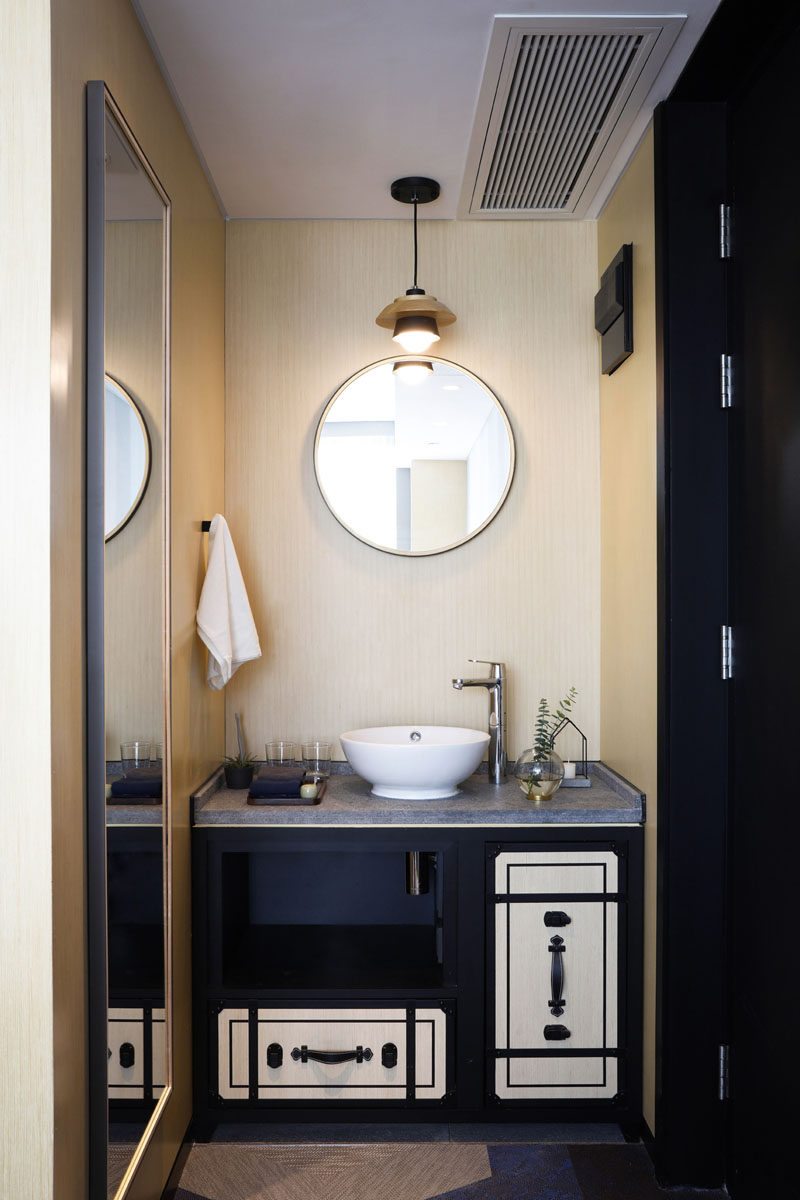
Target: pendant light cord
point(415, 239)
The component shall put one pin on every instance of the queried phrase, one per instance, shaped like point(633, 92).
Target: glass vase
point(539, 773)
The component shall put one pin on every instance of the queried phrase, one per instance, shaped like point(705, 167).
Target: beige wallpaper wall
point(26, 1011)
point(629, 493)
point(352, 636)
point(102, 39)
point(133, 592)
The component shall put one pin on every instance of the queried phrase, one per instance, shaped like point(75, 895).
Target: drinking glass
point(280, 753)
point(317, 759)
point(134, 754)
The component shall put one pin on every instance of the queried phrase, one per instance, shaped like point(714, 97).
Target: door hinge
point(726, 381)
point(724, 1073)
point(724, 230)
point(727, 651)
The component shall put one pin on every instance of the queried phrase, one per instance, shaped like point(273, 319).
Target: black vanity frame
point(466, 989)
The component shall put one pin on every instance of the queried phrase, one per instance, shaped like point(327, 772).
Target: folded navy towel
point(280, 782)
point(286, 773)
point(141, 788)
point(143, 773)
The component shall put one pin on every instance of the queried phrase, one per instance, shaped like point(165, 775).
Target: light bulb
point(412, 372)
point(415, 334)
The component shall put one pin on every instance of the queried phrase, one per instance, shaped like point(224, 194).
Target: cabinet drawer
point(332, 1054)
point(126, 1053)
point(129, 1030)
point(556, 873)
point(553, 1078)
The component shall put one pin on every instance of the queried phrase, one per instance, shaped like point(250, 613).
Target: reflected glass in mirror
point(135, 323)
point(414, 466)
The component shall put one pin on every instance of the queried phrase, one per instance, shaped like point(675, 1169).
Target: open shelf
point(333, 956)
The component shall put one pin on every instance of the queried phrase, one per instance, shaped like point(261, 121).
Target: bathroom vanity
point(476, 958)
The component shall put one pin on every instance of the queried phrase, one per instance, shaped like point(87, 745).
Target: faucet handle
point(497, 667)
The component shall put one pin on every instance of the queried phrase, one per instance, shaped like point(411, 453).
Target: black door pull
point(359, 1055)
point(127, 1055)
point(556, 1033)
point(556, 919)
point(557, 1003)
point(389, 1055)
point(274, 1055)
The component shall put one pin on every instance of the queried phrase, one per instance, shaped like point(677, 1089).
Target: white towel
point(224, 620)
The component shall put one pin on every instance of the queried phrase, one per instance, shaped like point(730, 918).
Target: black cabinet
point(334, 974)
point(136, 1025)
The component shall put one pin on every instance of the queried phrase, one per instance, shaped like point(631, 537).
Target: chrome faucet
point(497, 720)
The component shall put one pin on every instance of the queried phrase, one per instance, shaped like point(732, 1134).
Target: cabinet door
point(556, 964)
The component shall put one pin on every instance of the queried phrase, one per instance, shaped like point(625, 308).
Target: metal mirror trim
point(448, 543)
point(100, 105)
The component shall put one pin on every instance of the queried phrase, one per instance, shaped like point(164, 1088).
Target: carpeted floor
point(444, 1170)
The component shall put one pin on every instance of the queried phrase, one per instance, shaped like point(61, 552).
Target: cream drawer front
point(126, 1028)
point(550, 872)
point(159, 1035)
point(551, 1078)
point(525, 962)
point(325, 1031)
point(233, 1051)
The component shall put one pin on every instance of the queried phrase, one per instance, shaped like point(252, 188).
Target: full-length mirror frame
point(102, 114)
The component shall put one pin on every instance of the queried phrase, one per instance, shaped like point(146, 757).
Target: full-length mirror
point(128, 752)
point(414, 456)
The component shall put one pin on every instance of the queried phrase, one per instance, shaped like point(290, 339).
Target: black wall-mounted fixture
point(613, 310)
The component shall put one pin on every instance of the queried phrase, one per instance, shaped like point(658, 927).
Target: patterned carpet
point(428, 1171)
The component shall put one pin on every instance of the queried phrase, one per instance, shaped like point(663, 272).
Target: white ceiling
point(310, 108)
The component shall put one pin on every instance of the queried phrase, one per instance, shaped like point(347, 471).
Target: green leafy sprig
point(547, 723)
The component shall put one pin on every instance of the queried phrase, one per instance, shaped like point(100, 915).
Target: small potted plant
point(239, 770)
point(539, 770)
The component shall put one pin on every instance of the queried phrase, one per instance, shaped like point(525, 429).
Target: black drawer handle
point(556, 948)
point(274, 1055)
point(556, 919)
point(127, 1055)
point(556, 1033)
point(359, 1055)
point(389, 1055)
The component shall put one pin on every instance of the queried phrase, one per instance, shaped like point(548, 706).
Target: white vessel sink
point(414, 762)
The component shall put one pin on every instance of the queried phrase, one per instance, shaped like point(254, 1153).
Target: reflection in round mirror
point(127, 455)
point(414, 465)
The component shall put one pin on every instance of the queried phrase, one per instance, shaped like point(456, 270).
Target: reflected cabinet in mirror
point(128, 703)
point(414, 456)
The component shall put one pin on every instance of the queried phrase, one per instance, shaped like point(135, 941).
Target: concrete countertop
point(609, 800)
point(134, 814)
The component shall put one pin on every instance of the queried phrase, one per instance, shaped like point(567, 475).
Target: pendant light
point(415, 318)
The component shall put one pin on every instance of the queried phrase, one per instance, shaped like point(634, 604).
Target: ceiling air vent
point(559, 95)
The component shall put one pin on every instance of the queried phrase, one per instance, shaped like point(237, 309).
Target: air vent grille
point(558, 98)
point(562, 92)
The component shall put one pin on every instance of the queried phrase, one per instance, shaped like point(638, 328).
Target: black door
point(765, 596)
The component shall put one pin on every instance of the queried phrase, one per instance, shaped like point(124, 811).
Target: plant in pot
point(539, 770)
point(239, 770)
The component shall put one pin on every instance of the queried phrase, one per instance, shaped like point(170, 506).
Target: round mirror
point(127, 458)
point(414, 456)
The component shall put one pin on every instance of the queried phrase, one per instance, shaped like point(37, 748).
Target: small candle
point(569, 770)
